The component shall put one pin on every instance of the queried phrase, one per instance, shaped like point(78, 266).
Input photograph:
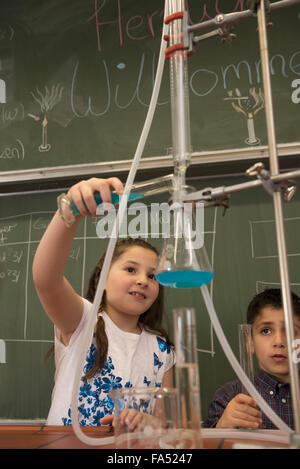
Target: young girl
point(129, 346)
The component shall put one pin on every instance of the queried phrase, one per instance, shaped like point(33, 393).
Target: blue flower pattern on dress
point(157, 361)
point(93, 405)
point(164, 347)
point(146, 381)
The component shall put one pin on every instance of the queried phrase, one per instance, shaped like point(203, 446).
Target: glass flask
point(183, 262)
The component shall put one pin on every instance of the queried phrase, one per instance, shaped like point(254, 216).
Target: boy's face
point(269, 342)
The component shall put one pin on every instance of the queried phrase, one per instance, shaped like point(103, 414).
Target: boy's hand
point(241, 412)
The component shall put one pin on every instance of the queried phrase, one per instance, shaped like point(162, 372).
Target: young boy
point(232, 409)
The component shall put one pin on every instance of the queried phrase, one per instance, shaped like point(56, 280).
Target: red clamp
point(171, 49)
point(173, 17)
point(175, 47)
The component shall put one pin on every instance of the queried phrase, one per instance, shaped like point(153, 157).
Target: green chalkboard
point(242, 248)
point(76, 78)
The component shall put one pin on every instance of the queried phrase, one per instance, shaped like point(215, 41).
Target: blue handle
point(115, 199)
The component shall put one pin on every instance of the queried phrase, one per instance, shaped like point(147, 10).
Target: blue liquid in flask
point(184, 278)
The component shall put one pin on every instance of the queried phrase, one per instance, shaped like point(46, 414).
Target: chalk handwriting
point(136, 28)
point(202, 83)
point(140, 27)
point(40, 224)
point(4, 230)
point(16, 152)
point(232, 72)
point(106, 95)
point(11, 255)
point(12, 113)
point(12, 275)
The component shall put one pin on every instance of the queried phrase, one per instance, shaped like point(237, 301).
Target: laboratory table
point(59, 437)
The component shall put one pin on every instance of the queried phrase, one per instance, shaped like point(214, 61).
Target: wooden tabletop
point(60, 437)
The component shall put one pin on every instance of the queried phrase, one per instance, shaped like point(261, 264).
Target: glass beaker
point(186, 369)
point(246, 352)
point(183, 262)
point(146, 418)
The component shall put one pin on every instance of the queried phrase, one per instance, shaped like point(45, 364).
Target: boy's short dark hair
point(270, 297)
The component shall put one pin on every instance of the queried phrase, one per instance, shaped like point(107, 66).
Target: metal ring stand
point(273, 182)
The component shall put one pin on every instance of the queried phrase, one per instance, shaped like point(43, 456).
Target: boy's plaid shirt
point(276, 394)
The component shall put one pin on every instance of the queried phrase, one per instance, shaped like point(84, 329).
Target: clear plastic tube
point(88, 332)
point(237, 368)
point(275, 436)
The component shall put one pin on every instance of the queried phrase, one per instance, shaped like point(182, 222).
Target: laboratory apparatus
point(181, 43)
point(68, 209)
point(186, 370)
point(246, 352)
point(183, 262)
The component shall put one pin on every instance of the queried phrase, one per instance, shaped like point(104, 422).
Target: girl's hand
point(84, 191)
point(241, 412)
point(107, 420)
point(134, 420)
point(129, 418)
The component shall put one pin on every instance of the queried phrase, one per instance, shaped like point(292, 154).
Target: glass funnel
point(183, 262)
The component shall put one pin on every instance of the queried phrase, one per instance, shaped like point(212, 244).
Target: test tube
point(246, 355)
point(68, 209)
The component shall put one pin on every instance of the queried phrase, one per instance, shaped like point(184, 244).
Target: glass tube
point(179, 93)
point(68, 209)
point(246, 355)
point(186, 369)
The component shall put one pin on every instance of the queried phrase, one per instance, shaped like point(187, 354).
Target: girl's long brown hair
point(151, 319)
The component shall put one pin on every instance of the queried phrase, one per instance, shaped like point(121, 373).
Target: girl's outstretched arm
point(62, 304)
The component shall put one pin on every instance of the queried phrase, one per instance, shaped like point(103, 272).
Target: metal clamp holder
point(258, 169)
point(286, 186)
point(210, 197)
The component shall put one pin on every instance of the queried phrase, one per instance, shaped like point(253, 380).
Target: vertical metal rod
point(281, 244)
